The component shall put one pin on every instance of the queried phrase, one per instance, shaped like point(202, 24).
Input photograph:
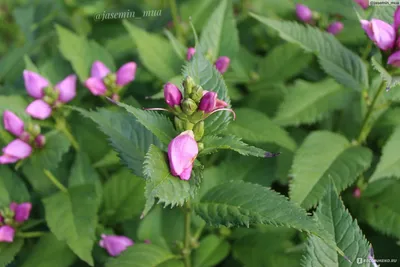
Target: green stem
point(54, 180)
point(186, 244)
point(62, 126)
point(364, 126)
point(30, 234)
point(175, 18)
point(366, 51)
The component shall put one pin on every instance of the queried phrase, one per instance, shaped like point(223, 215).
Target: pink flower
point(209, 102)
point(7, 234)
point(335, 27)
point(363, 3)
point(357, 192)
point(34, 84)
point(394, 59)
point(190, 53)
point(172, 95)
point(380, 32)
point(15, 151)
point(21, 211)
point(67, 89)
point(39, 109)
point(396, 19)
point(13, 123)
point(114, 244)
point(222, 64)
point(125, 74)
point(40, 140)
point(182, 151)
point(303, 13)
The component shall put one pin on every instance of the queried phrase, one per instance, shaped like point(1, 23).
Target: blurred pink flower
point(114, 244)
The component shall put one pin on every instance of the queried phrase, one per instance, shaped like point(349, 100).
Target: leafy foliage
point(211, 251)
point(313, 169)
point(9, 250)
point(12, 187)
point(214, 143)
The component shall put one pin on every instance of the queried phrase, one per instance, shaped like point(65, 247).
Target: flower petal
point(18, 149)
point(13, 123)
point(222, 64)
point(35, 83)
point(21, 211)
point(96, 86)
point(384, 34)
point(394, 59)
point(6, 159)
point(99, 70)
point(114, 244)
point(126, 73)
point(39, 109)
point(185, 175)
point(182, 151)
point(7, 234)
point(67, 89)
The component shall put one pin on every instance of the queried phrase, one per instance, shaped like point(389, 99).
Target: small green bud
point(35, 130)
point(198, 130)
point(8, 213)
point(188, 85)
point(225, 231)
point(198, 115)
point(197, 93)
point(188, 125)
point(189, 106)
point(9, 221)
point(179, 124)
point(48, 99)
point(110, 80)
point(200, 146)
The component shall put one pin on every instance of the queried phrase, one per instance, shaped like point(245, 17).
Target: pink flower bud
point(363, 3)
point(99, 70)
point(15, 151)
point(13, 123)
point(25, 136)
point(21, 211)
point(357, 192)
point(39, 109)
point(34, 84)
point(40, 140)
point(303, 13)
point(380, 32)
point(208, 102)
point(394, 59)
point(222, 64)
point(114, 244)
point(335, 27)
point(126, 73)
point(190, 53)
point(67, 89)
point(396, 19)
point(7, 234)
point(96, 86)
point(172, 95)
point(182, 151)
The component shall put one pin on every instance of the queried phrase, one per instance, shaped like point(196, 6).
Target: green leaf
point(9, 250)
point(212, 250)
point(384, 13)
point(343, 7)
point(24, 17)
point(389, 79)
point(161, 184)
point(81, 53)
point(310, 102)
point(214, 143)
point(50, 252)
point(156, 53)
point(12, 187)
point(141, 255)
point(341, 63)
point(347, 234)
point(283, 63)
point(29, 65)
point(179, 48)
point(123, 196)
point(255, 127)
point(389, 164)
point(313, 168)
point(72, 217)
point(380, 208)
point(219, 35)
point(206, 75)
point(128, 137)
point(158, 124)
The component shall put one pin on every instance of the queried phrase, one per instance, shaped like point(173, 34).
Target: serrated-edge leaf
point(8, 251)
point(214, 143)
point(389, 79)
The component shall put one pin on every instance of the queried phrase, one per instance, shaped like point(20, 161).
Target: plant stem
point(364, 129)
point(186, 243)
point(175, 18)
point(54, 180)
point(366, 51)
point(30, 234)
point(61, 125)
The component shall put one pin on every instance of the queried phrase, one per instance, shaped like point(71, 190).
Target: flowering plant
point(254, 133)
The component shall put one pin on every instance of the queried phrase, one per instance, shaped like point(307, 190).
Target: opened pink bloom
point(222, 64)
point(21, 211)
point(115, 244)
point(182, 151)
point(172, 95)
point(7, 234)
point(99, 72)
point(380, 32)
point(38, 87)
point(14, 151)
point(190, 53)
point(13, 123)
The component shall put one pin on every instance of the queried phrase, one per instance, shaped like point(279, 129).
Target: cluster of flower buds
point(47, 96)
point(105, 83)
point(190, 109)
point(221, 64)
point(385, 36)
point(27, 138)
point(11, 218)
point(115, 244)
point(305, 15)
